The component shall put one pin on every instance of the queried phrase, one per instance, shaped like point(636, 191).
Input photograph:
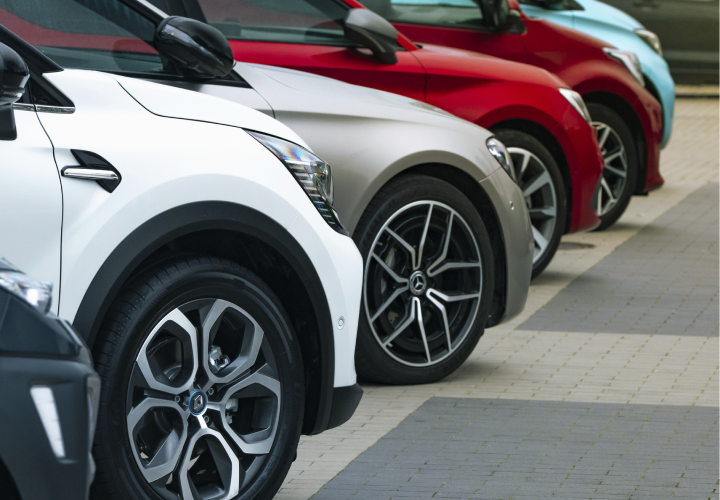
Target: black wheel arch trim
point(130, 255)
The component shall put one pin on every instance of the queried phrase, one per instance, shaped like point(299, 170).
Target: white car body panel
point(31, 202)
point(173, 103)
point(197, 161)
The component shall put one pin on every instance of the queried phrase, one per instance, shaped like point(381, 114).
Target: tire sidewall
point(386, 203)
point(216, 279)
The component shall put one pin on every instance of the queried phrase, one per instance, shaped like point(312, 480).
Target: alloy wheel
point(535, 181)
point(615, 170)
point(203, 402)
point(422, 284)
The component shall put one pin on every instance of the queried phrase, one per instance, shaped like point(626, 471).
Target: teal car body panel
point(613, 26)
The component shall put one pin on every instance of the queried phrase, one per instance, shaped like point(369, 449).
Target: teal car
point(613, 26)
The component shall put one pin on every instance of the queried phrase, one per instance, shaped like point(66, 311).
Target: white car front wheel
point(202, 386)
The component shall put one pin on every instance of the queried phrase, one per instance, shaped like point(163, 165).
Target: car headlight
point(36, 293)
point(311, 172)
point(630, 60)
point(576, 101)
point(500, 153)
point(651, 39)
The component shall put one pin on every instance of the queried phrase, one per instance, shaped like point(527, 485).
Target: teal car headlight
point(629, 60)
point(651, 39)
point(311, 172)
point(500, 153)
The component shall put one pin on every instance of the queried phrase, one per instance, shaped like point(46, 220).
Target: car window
point(317, 22)
point(86, 34)
point(455, 13)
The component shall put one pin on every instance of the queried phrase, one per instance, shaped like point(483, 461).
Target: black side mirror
point(14, 75)
point(199, 50)
point(495, 13)
point(372, 31)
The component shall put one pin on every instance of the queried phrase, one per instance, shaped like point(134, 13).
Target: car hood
point(464, 63)
point(171, 102)
point(602, 13)
point(328, 88)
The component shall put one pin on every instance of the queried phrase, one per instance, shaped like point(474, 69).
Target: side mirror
point(14, 75)
point(200, 50)
point(495, 13)
point(372, 31)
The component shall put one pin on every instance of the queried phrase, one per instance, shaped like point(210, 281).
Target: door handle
point(93, 167)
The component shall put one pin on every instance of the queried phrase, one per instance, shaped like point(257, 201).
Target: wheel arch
point(623, 108)
point(472, 189)
point(245, 236)
point(551, 143)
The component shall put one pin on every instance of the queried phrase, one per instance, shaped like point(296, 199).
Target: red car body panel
point(482, 89)
point(574, 57)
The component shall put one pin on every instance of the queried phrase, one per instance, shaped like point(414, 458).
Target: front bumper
point(651, 115)
point(579, 143)
point(26, 450)
point(658, 74)
point(511, 210)
point(339, 266)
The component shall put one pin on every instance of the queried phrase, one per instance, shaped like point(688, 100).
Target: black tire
point(373, 362)
point(622, 191)
point(144, 302)
point(552, 233)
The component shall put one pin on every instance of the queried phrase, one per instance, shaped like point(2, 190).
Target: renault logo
point(198, 402)
point(418, 283)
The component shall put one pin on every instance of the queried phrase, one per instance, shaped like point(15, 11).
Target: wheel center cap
point(197, 403)
point(418, 283)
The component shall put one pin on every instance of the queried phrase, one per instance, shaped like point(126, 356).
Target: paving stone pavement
point(558, 367)
point(664, 280)
point(512, 449)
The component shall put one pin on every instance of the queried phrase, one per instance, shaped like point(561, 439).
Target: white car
point(193, 243)
point(443, 229)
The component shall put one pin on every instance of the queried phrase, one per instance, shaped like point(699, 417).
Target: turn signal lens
point(630, 61)
point(576, 101)
point(500, 153)
point(651, 39)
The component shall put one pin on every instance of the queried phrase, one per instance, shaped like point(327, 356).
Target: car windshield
point(286, 21)
point(86, 34)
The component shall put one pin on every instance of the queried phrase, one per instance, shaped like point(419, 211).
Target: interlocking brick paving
point(663, 280)
point(513, 364)
point(512, 449)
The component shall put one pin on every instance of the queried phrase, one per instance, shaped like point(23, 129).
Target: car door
point(452, 23)
point(41, 202)
point(305, 35)
point(30, 200)
point(688, 31)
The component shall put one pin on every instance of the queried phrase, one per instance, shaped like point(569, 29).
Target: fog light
point(47, 409)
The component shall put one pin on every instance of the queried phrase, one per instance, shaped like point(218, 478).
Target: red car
point(544, 124)
point(628, 116)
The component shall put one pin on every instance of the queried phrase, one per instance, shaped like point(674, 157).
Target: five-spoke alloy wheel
point(212, 397)
point(427, 282)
